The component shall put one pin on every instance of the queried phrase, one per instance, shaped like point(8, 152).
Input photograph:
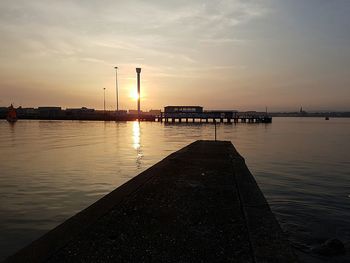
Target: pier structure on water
point(197, 114)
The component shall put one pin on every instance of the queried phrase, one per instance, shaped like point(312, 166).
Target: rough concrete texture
point(200, 204)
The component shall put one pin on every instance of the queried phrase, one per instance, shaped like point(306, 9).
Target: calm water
point(50, 170)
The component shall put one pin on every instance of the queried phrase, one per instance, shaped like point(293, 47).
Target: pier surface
point(200, 204)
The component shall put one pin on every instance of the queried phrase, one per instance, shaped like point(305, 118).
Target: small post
point(215, 128)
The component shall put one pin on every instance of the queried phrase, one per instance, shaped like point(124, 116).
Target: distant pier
point(196, 114)
point(200, 204)
point(205, 117)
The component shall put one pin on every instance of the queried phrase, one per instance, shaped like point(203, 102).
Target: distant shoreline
point(314, 114)
point(134, 118)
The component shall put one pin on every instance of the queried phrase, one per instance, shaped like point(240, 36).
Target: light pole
point(116, 88)
point(104, 102)
point(215, 128)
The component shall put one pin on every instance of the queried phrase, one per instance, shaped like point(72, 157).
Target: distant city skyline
point(231, 54)
point(111, 108)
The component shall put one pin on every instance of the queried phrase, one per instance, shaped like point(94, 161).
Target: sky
point(232, 54)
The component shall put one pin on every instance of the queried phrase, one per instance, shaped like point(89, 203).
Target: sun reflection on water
point(136, 135)
point(136, 131)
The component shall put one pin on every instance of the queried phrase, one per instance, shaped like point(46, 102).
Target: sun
point(134, 95)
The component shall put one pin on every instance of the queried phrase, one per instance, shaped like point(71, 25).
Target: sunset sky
point(233, 54)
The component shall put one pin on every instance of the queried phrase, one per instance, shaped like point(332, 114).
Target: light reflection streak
point(136, 135)
point(136, 130)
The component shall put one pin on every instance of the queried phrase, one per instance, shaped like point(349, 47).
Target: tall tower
point(138, 71)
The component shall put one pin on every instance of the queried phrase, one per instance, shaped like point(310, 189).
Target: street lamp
point(116, 88)
point(104, 101)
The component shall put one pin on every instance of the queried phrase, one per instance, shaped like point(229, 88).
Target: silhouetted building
point(80, 113)
point(135, 112)
point(121, 112)
point(30, 113)
point(50, 112)
point(79, 110)
point(191, 113)
point(183, 109)
point(154, 112)
point(3, 112)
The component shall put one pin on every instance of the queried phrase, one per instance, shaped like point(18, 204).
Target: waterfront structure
point(3, 112)
point(171, 114)
point(197, 114)
point(79, 113)
point(153, 112)
point(183, 109)
point(200, 204)
point(53, 113)
point(80, 110)
point(49, 112)
point(135, 112)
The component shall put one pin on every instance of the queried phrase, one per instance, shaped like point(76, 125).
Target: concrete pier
point(200, 204)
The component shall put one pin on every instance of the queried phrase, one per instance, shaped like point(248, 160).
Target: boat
point(11, 115)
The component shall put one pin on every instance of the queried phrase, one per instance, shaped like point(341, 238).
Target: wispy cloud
point(71, 27)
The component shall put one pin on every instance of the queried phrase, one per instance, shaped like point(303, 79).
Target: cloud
point(221, 41)
point(68, 26)
point(168, 31)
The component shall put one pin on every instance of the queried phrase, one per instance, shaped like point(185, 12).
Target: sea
point(50, 170)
